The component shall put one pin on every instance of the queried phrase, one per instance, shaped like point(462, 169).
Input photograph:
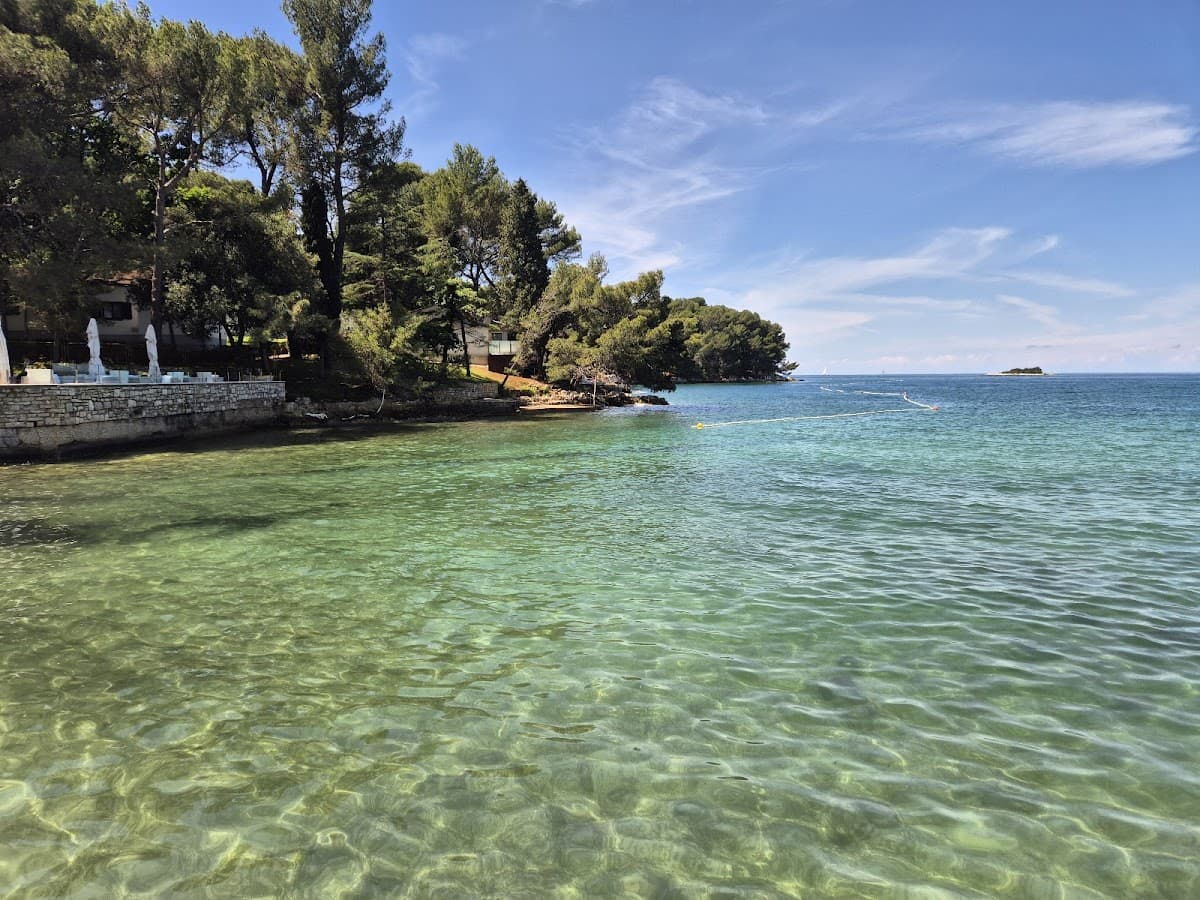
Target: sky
point(905, 187)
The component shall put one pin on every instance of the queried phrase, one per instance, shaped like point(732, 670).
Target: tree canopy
point(342, 132)
point(118, 130)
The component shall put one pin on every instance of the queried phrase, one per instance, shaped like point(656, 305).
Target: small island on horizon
point(1032, 370)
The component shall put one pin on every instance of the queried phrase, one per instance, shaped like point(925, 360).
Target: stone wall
point(53, 420)
point(467, 390)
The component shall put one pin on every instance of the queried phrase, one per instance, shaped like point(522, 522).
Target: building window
point(116, 312)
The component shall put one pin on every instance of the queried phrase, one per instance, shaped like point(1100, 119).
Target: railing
point(77, 375)
point(503, 348)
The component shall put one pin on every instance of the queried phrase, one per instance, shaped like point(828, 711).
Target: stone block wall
point(466, 392)
point(50, 420)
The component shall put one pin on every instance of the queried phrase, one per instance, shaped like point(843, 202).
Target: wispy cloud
point(1071, 284)
point(829, 324)
point(1042, 313)
point(424, 54)
point(939, 282)
point(1070, 134)
point(1183, 302)
point(654, 160)
point(953, 253)
point(931, 308)
point(1044, 245)
point(916, 302)
point(671, 115)
point(1061, 347)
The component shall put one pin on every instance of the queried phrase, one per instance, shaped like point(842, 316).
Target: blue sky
point(909, 187)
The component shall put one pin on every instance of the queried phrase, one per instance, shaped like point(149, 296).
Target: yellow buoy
point(699, 424)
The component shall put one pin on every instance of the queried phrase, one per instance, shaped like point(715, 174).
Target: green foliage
point(560, 242)
point(384, 348)
point(108, 116)
point(454, 303)
point(461, 207)
point(724, 343)
point(628, 332)
point(617, 334)
point(641, 349)
point(618, 301)
point(239, 264)
point(342, 134)
point(273, 95)
point(522, 265)
point(176, 90)
point(495, 238)
point(66, 213)
point(384, 240)
point(306, 327)
point(571, 288)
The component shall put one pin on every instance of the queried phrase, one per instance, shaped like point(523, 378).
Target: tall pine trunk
point(158, 277)
point(462, 330)
point(329, 250)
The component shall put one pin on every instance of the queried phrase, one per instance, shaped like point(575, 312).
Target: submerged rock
point(32, 532)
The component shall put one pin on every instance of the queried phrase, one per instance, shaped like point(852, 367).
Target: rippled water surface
point(921, 654)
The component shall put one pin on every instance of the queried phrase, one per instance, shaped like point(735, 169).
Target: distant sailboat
point(825, 371)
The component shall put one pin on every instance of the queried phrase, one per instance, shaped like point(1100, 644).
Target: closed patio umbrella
point(152, 353)
point(95, 366)
point(5, 364)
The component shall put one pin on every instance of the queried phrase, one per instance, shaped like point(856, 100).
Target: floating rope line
point(916, 406)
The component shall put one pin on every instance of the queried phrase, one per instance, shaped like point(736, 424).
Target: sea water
point(915, 654)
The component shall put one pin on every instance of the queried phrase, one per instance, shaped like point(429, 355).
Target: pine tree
point(522, 265)
point(343, 134)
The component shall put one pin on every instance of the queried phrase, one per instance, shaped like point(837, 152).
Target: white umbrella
point(95, 367)
point(5, 365)
point(152, 353)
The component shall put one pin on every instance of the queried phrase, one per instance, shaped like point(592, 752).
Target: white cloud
point(829, 324)
point(650, 163)
point(1172, 346)
point(1162, 347)
point(424, 54)
point(837, 307)
point(915, 302)
point(1184, 302)
point(1042, 313)
point(1092, 346)
point(1044, 245)
point(1071, 134)
point(967, 297)
point(1072, 284)
point(953, 253)
point(671, 115)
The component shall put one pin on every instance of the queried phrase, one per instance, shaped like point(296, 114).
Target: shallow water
point(929, 654)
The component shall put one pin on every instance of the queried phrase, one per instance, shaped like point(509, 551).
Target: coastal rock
point(605, 395)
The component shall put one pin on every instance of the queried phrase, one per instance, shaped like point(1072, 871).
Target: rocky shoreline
point(449, 404)
point(303, 411)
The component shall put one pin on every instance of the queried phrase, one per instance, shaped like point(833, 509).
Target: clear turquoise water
point(910, 655)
